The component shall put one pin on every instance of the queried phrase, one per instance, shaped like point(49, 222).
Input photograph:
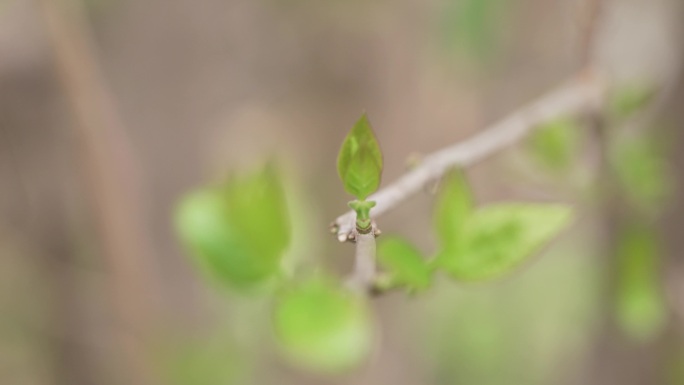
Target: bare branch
point(589, 32)
point(581, 95)
point(113, 184)
point(364, 262)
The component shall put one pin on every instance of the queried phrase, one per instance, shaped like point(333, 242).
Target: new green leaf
point(323, 327)
point(359, 163)
point(453, 207)
point(499, 237)
point(404, 263)
point(236, 233)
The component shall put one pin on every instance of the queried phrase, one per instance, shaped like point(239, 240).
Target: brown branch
point(589, 31)
point(113, 184)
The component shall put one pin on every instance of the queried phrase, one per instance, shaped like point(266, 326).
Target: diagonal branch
point(580, 95)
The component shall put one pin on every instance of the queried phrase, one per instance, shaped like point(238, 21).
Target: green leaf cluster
point(323, 327)
point(237, 232)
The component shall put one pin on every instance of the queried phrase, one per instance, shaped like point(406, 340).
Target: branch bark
point(363, 276)
point(580, 95)
point(113, 184)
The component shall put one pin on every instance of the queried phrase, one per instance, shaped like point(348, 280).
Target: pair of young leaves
point(237, 234)
point(475, 243)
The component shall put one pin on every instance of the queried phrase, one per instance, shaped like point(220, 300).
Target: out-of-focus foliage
point(472, 27)
point(206, 362)
point(25, 316)
point(518, 331)
point(322, 327)
point(499, 237)
point(641, 308)
point(641, 169)
point(237, 232)
point(627, 99)
point(556, 144)
point(359, 163)
point(404, 264)
point(675, 369)
point(453, 208)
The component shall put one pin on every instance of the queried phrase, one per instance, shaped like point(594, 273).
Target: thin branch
point(580, 95)
point(113, 184)
point(364, 273)
point(589, 32)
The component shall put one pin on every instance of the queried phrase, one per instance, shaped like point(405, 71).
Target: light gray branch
point(364, 262)
point(581, 95)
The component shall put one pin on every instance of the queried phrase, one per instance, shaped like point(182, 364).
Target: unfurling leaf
point(404, 263)
point(359, 163)
point(555, 144)
point(499, 237)
point(454, 206)
point(323, 327)
point(238, 232)
point(641, 309)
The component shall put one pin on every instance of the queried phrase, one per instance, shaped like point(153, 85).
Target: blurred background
point(112, 110)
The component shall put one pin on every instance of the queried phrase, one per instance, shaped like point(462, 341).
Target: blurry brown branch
point(580, 95)
point(589, 31)
point(113, 183)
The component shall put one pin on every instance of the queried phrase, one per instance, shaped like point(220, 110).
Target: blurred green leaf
point(629, 98)
point(404, 262)
point(499, 237)
point(259, 212)
point(640, 309)
point(641, 168)
point(453, 207)
point(359, 163)
point(237, 233)
point(472, 26)
point(323, 327)
point(555, 144)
